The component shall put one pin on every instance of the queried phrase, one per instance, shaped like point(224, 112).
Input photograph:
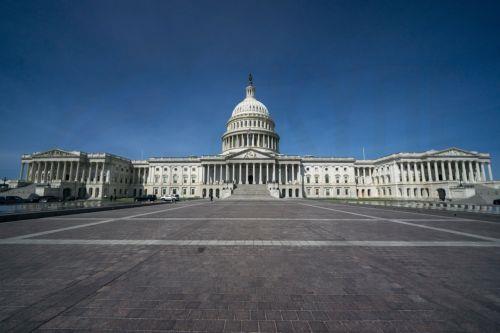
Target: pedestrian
point(211, 196)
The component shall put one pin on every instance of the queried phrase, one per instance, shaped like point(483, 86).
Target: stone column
point(253, 174)
point(436, 173)
point(489, 171)
point(52, 171)
point(246, 173)
point(90, 173)
point(422, 172)
point(260, 173)
point(450, 173)
point(77, 170)
point(483, 173)
point(101, 176)
point(464, 174)
point(226, 166)
point(286, 173)
point(21, 173)
point(58, 170)
point(82, 177)
point(239, 173)
point(63, 176)
point(220, 173)
point(471, 172)
point(477, 178)
point(429, 171)
point(233, 178)
point(443, 172)
point(274, 172)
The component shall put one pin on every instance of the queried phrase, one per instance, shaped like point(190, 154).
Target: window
point(317, 191)
point(316, 179)
point(165, 179)
point(308, 179)
point(157, 169)
point(185, 179)
point(176, 178)
point(157, 179)
point(327, 179)
point(327, 191)
point(346, 191)
point(338, 191)
point(155, 191)
point(346, 179)
point(192, 190)
point(184, 191)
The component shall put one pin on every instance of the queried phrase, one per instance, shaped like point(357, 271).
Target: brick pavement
point(370, 270)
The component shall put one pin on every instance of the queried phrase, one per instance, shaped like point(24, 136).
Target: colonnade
point(250, 140)
point(251, 173)
point(46, 171)
point(140, 175)
point(467, 171)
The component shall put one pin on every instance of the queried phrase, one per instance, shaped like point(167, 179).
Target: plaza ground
point(268, 266)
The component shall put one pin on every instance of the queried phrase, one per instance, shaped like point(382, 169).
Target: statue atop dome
point(250, 79)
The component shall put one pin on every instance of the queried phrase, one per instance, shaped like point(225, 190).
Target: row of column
point(451, 170)
point(46, 171)
point(140, 175)
point(250, 173)
point(250, 140)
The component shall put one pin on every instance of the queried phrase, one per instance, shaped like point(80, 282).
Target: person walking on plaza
point(211, 197)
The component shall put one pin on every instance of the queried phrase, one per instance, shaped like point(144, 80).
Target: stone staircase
point(250, 192)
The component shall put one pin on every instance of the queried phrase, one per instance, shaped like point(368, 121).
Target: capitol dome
point(250, 126)
point(250, 104)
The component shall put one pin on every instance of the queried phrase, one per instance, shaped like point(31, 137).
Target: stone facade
point(250, 155)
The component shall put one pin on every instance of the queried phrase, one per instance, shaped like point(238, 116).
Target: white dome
point(250, 104)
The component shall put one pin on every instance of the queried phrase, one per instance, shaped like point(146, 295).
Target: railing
point(50, 206)
point(490, 209)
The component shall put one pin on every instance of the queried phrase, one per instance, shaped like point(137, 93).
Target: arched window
point(327, 179)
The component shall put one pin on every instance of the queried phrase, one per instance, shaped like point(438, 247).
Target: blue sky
point(160, 78)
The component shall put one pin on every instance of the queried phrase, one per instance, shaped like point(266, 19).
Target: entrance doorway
point(250, 179)
point(82, 193)
point(441, 194)
point(66, 193)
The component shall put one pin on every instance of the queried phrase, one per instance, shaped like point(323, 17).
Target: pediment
point(57, 153)
point(250, 154)
point(453, 152)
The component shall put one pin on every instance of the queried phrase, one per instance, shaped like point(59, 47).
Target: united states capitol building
point(251, 162)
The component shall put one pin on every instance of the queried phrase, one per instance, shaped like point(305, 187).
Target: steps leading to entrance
point(250, 192)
